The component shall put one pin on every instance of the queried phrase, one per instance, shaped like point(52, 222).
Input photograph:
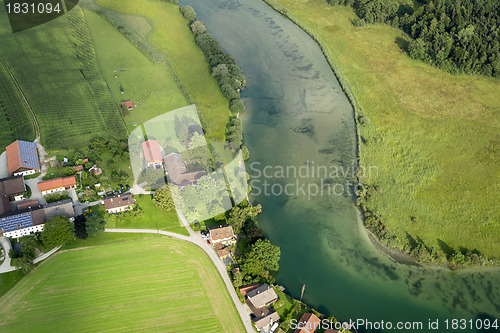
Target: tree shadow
point(402, 44)
point(445, 248)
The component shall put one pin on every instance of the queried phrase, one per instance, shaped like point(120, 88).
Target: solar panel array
point(16, 222)
point(29, 156)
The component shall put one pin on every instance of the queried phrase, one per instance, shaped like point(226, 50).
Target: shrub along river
point(299, 127)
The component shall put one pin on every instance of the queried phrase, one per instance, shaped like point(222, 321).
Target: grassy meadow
point(150, 86)
point(154, 284)
point(153, 218)
point(434, 137)
point(56, 67)
point(171, 36)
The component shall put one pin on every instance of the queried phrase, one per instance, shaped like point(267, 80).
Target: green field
point(434, 137)
point(150, 86)
point(171, 35)
point(15, 122)
point(153, 218)
point(56, 67)
point(156, 284)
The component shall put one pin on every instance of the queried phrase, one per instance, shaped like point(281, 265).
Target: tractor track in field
point(23, 98)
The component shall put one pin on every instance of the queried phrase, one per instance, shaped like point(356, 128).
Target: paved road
point(5, 267)
point(46, 255)
point(196, 239)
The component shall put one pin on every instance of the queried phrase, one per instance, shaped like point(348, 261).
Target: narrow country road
point(197, 240)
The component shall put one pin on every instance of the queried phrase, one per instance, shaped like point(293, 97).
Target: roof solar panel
point(16, 222)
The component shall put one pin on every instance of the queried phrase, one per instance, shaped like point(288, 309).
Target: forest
point(458, 36)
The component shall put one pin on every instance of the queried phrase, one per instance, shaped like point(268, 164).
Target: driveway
point(196, 239)
point(35, 193)
point(4, 170)
point(5, 267)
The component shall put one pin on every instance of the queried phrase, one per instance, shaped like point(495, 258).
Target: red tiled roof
point(245, 289)
point(152, 152)
point(221, 233)
point(56, 183)
point(308, 323)
point(15, 159)
point(78, 168)
point(128, 104)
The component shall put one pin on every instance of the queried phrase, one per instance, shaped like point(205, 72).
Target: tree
point(57, 231)
point(220, 71)
point(188, 13)
point(239, 215)
point(94, 225)
point(245, 153)
point(197, 27)
point(237, 279)
point(23, 263)
point(236, 106)
point(162, 198)
point(267, 254)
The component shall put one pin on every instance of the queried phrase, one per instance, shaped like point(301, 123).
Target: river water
point(299, 120)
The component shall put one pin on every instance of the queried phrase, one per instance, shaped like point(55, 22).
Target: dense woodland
point(459, 36)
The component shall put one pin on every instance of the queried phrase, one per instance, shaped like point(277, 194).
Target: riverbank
point(395, 101)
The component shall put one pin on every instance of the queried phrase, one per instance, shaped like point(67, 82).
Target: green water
point(298, 114)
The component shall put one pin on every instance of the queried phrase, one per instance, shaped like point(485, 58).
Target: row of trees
point(224, 67)
point(457, 36)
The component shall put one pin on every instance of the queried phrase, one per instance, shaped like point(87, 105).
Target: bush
point(197, 27)
point(188, 13)
point(236, 106)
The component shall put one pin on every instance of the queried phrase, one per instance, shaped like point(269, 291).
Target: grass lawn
point(150, 86)
point(56, 67)
point(9, 280)
point(172, 36)
point(153, 218)
point(156, 284)
point(434, 137)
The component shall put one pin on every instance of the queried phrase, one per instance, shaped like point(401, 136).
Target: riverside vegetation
point(432, 135)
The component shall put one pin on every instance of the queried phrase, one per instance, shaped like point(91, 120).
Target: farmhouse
point(308, 323)
point(127, 105)
point(119, 204)
point(59, 208)
point(57, 185)
point(152, 153)
point(22, 222)
point(177, 172)
point(261, 297)
point(22, 158)
point(11, 189)
point(223, 235)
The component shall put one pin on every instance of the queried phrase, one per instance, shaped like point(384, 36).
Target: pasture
point(150, 86)
point(153, 284)
point(434, 137)
point(171, 36)
point(56, 67)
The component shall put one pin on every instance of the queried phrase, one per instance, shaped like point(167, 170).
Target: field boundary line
point(23, 98)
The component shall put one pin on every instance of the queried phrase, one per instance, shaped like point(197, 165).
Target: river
point(299, 121)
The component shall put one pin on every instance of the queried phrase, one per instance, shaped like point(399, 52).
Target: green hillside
point(56, 67)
